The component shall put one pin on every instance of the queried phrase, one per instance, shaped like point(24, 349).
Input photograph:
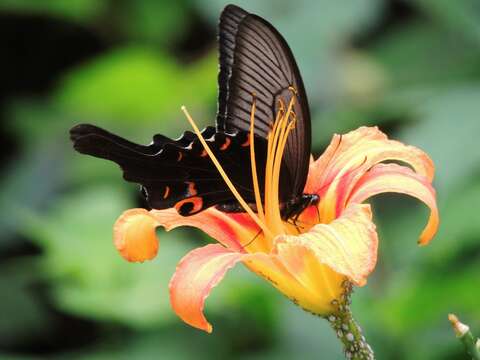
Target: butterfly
point(256, 64)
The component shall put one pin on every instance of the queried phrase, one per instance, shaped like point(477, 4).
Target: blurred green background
point(410, 67)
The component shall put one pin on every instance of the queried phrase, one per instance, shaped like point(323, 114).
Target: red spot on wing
point(167, 192)
point(226, 144)
point(192, 191)
point(194, 203)
point(246, 143)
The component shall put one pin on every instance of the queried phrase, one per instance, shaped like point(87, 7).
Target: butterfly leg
point(295, 219)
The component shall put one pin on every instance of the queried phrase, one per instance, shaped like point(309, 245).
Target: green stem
point(469, 342)
point(350, 334)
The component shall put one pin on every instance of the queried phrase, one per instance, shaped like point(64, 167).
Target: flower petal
point(349, 157)
point(296, 272)
point(399, 179)
point(233, 230)
point(348, 245)
point(134, 235)
point(197, 273)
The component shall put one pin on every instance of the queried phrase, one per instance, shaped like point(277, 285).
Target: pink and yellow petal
point(349, 157)
point(233, 230)
point(384, 178)
point(197, 273)
point(351, 149)
point(296, 273)
point(134, 235)
point(311, 268)
point(348, 245)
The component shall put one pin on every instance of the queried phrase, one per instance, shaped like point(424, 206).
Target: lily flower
point(313, 260)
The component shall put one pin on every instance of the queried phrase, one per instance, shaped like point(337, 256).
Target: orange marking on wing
point(191, 188)
point(197, 203)
point(167, 192)
point(203, 153)
point(180, 156)
point(226, 144)
point(246, 143)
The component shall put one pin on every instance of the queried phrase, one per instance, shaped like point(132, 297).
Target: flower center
point(268, 216)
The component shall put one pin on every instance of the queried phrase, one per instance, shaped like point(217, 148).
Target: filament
point(256, 189)
point(224, 175)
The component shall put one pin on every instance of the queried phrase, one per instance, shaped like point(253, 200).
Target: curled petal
point(233, 230)
point(348, 245)
point(134, 235)
point(349, 157)
point(384, 178)
point(197, 273)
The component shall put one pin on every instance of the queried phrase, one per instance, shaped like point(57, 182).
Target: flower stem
point(350, 334)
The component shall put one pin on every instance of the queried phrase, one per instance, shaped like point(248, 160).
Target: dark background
point(410, 67)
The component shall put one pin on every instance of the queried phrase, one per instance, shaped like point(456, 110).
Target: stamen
point(225, 176)
point(279, 156)
point(277, 140)
point(270, 195)
point(284, 130)
point(256, 189)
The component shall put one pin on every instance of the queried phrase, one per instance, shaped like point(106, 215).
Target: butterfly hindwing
point(255, 59)
point(178, 173)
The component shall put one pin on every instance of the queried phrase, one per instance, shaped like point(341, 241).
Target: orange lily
point(313, 261)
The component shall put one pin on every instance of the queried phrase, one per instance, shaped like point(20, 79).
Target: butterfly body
point(289, 210)
point(256, 65)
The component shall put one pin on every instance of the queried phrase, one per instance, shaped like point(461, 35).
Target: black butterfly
point(254, 59)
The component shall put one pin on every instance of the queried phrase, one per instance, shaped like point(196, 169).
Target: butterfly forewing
point(255, 59)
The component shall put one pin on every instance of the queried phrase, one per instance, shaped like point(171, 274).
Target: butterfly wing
point(255, 59)
point(177, 173)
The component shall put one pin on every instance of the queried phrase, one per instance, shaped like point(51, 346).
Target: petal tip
point(134, 235)
point(196, 275)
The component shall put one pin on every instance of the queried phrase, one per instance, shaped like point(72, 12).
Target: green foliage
point(136, 85)
point(89, 277)
point(69, 9)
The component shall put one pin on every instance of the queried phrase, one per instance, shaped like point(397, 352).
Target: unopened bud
point(459, 328)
